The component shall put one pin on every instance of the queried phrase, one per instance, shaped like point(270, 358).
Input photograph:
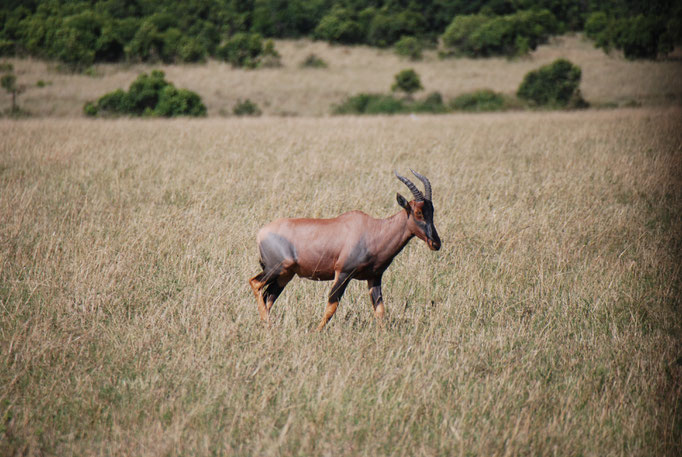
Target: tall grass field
point(548, 324)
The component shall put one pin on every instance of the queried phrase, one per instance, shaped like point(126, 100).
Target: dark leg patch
point(272, 291)
point(375, 293)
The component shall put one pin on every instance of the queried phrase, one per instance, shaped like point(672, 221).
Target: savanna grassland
point(548, 324)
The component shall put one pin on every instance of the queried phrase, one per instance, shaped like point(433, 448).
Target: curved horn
point(418, 196)
point(427, 184)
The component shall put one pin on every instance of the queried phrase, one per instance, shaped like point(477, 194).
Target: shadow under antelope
point(350, 246)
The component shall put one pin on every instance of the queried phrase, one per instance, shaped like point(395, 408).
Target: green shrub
point(407, 81)
point(75, 42)
point(7, 48)
point(387, 104)
point(553, 85)
point(494, 37)
point(170, 44)
point(6, 67)
point(339, 26)
point(384, 104)
point(433, 103)
point(206, 34)
point(480, 100)
point(643, 37)
point(92, 72)
point(90, 109)
point(434, 98)
point(479, 35)
point(600, 29)
point(159, 38)
point(246, 108)
point(270, 58)
point(312, 61)
point(72, 49)
point(410, 47)
point(148, 95)
point(386, 27)
point(192, 50)
point(145, 91)
point(639, 37)
point(354, 104)
point(124, 30)
point(596, 24)
point(146, 44)
point(116, 102)
point(370, 104)
point(456, 35)
point(242, 50)
point(109, 46)
point(179, 102)
point(285, 19)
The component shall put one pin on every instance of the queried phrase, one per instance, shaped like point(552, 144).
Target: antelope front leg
point(377, 299)
point(258, 283)
point(339, 287)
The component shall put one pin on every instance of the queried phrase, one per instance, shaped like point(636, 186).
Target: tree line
point(80, 33)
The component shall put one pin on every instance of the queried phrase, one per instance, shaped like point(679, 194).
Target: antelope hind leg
point(275, 288)
point(258, 283)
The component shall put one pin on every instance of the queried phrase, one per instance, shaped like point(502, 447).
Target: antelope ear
point(402, 202)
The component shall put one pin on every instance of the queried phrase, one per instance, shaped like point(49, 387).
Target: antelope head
point(420, 211)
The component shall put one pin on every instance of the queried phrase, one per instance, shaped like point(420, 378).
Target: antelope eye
point(418, 214)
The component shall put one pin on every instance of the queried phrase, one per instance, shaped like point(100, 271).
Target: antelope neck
point(393, 232)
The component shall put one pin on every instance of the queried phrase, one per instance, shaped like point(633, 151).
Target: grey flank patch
point(358, 256)
point(275, 250)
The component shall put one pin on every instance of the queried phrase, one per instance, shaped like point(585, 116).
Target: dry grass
point(607, 80)
point(549, 323)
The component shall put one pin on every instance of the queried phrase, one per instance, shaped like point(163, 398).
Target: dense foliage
point(553, 85)
point(79, 33)
point(242, 49)
point(480, 100)
point(149, 95)
point(370, 104)
point(410, 47)
point(480, 35)
point(639, 37)
point(407, 81)
point(388, 104)
point(246, 108)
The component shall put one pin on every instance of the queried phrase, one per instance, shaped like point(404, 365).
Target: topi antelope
point(351, 246)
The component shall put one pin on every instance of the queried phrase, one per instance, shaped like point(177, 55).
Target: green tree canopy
point(407, 81)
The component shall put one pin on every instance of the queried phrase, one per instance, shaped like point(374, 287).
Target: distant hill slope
point(607, 80)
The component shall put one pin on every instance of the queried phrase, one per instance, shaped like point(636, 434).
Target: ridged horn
point(425, 181)
point(418, 196)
